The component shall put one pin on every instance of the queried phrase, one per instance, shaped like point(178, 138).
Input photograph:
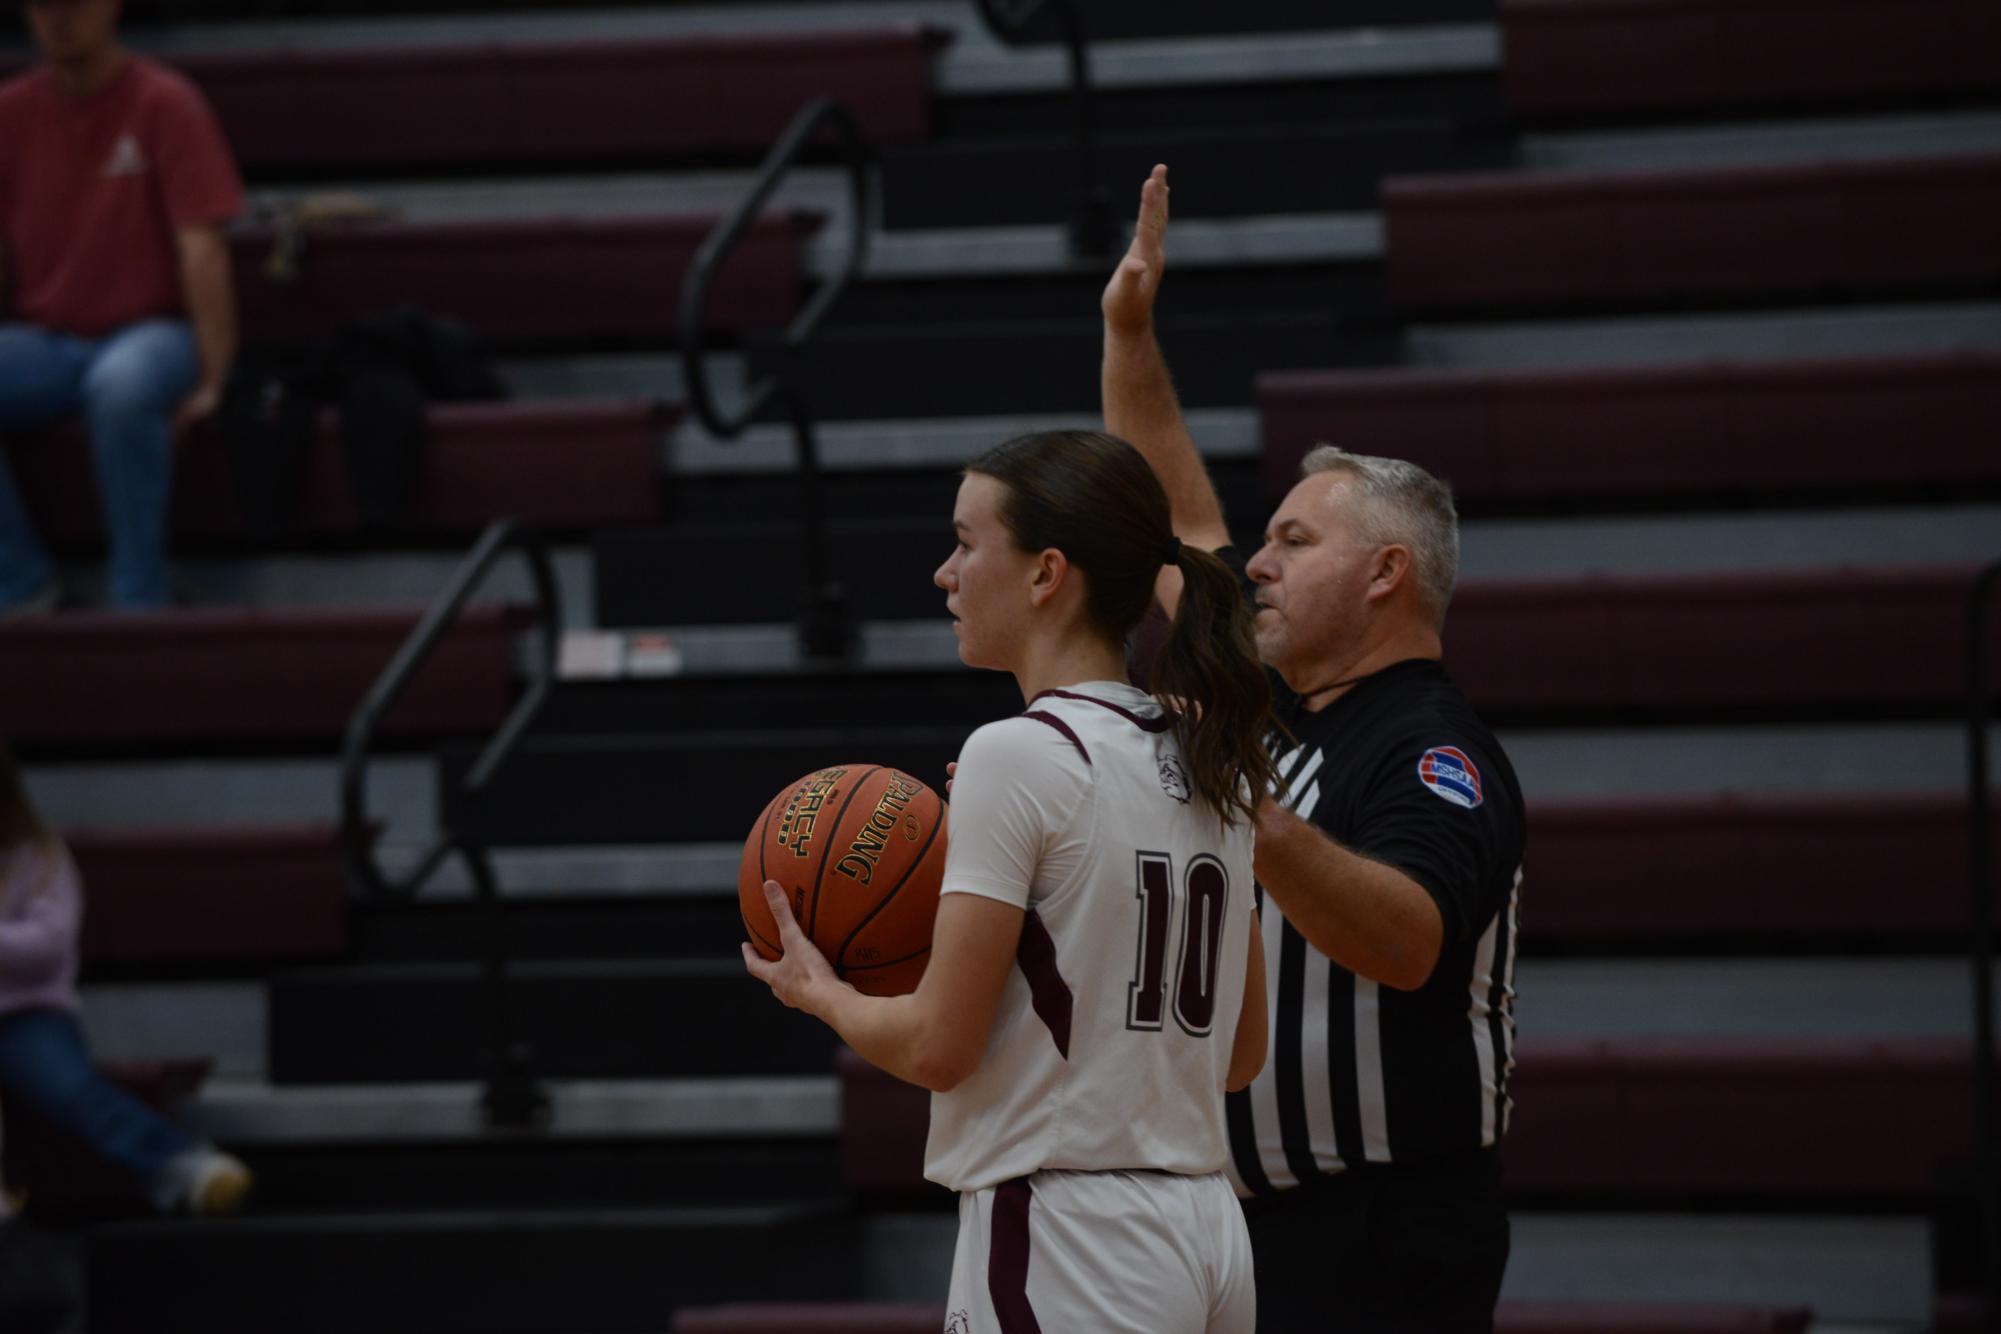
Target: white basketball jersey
point(1113, 1036)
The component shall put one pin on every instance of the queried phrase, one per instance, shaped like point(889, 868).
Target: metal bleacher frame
point(827, 631)
point(513, 1097)
point(1091, 227)
point(1980, 858)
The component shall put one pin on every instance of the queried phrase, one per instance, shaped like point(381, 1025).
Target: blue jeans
point(45, 1063)
point(127, 386)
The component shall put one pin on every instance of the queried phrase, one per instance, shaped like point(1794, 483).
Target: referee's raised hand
point(1128, 299)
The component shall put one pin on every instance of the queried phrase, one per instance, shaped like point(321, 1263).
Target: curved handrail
point(866, 207)
point(1980, 859)
point(357, 837)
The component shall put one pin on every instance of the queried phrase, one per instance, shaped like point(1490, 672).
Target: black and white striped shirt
point(1401, 770)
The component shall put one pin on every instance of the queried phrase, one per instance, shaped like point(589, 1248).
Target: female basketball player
point(1095, 981)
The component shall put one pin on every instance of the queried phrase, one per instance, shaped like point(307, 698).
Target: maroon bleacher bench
point(1730, 865)
point(1626, 1116)
point(64, 1181)
point(1551, 238)
point(550, 101)
point(1509, 1318)
point(233, 673)
point(1512, 435)
point(549, 462)
point(523, 278)
point(1578, 56)
point(1821, 641)
point(247, 893)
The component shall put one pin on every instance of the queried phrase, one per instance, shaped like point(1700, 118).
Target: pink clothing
point(41, 915)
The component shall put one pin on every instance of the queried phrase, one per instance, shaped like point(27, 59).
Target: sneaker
point(204, 1182)
point(38, 604)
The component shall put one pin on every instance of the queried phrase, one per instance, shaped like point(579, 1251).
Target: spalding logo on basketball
point(1450, 774)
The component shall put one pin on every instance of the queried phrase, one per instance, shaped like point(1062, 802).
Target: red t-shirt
point(92, 191)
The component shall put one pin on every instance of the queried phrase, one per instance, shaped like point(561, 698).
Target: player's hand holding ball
point(801, 972)
point(839, 884)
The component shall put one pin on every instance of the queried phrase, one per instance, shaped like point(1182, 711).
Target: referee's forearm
point(1370, 918)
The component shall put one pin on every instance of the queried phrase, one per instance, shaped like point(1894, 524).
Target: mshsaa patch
point(1448, 772)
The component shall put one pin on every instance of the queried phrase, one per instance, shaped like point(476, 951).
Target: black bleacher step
point(885, 564)
point(1467, 101)
point(1051, 365)
point(595, 1019)
point(496, 1172)
point(860, 698)
point(680, 787)
point(885, 492)
point(1203, 18)
point(1218, 172)
point(1217, 290)
point(496, 1272)
point(681, 926)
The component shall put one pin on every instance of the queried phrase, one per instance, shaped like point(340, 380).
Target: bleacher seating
point(553, 462)
point(536, 102)
point(1650, 433)
point(1740, 865)
point(204, 674)
point(546, 279)
point(1873, 639)
point(1600, 55)
point(563, 1229)
point(1558, 238)
point(251, 894)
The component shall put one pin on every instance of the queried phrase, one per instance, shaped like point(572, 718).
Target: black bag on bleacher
point(267, 420)
point(388, 365)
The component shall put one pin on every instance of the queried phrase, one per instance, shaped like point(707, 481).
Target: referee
point(1368, 1152)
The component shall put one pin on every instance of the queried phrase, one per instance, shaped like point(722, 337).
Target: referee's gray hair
point(1406, 506)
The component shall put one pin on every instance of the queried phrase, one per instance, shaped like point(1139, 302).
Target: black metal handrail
point(827, 631)
point(1980, 856)
point(513, 1096)
point(1091, 231)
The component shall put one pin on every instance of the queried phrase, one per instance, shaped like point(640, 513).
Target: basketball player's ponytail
point(1209, 668)
point(1093, 497)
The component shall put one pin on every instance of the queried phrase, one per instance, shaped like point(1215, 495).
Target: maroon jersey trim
point(1160, 724)
point(1048, 993)
point(1007, 1259)
point(1060, 726)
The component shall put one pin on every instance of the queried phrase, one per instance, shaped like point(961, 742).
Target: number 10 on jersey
point(1206, 896)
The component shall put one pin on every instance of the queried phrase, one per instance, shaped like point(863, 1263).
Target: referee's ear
point(1391, 570)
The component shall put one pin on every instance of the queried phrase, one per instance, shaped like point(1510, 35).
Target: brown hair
point(20, 822)
point(1093, 497)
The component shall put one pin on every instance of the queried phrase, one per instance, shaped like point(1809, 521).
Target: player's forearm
point(1247, 1051)
point(210, 292)
point(1370, 918)
point(1142, 408)
point(896, 1034)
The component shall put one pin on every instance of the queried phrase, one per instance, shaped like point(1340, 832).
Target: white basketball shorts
point(1102, 1253)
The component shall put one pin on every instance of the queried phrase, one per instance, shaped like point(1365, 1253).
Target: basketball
point(860, 850)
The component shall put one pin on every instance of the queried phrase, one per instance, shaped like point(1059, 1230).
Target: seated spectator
point(44, 1061)
point(115, 185)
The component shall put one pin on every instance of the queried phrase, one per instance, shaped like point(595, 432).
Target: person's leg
point(41, 375)
point(1310, 1256)
point(45, 1063)
point(135, 382)
point(1439, 1236)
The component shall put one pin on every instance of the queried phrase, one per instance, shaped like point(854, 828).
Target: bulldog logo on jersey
point(1448, 772)
point(959, 1322)
point(1174, 779)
